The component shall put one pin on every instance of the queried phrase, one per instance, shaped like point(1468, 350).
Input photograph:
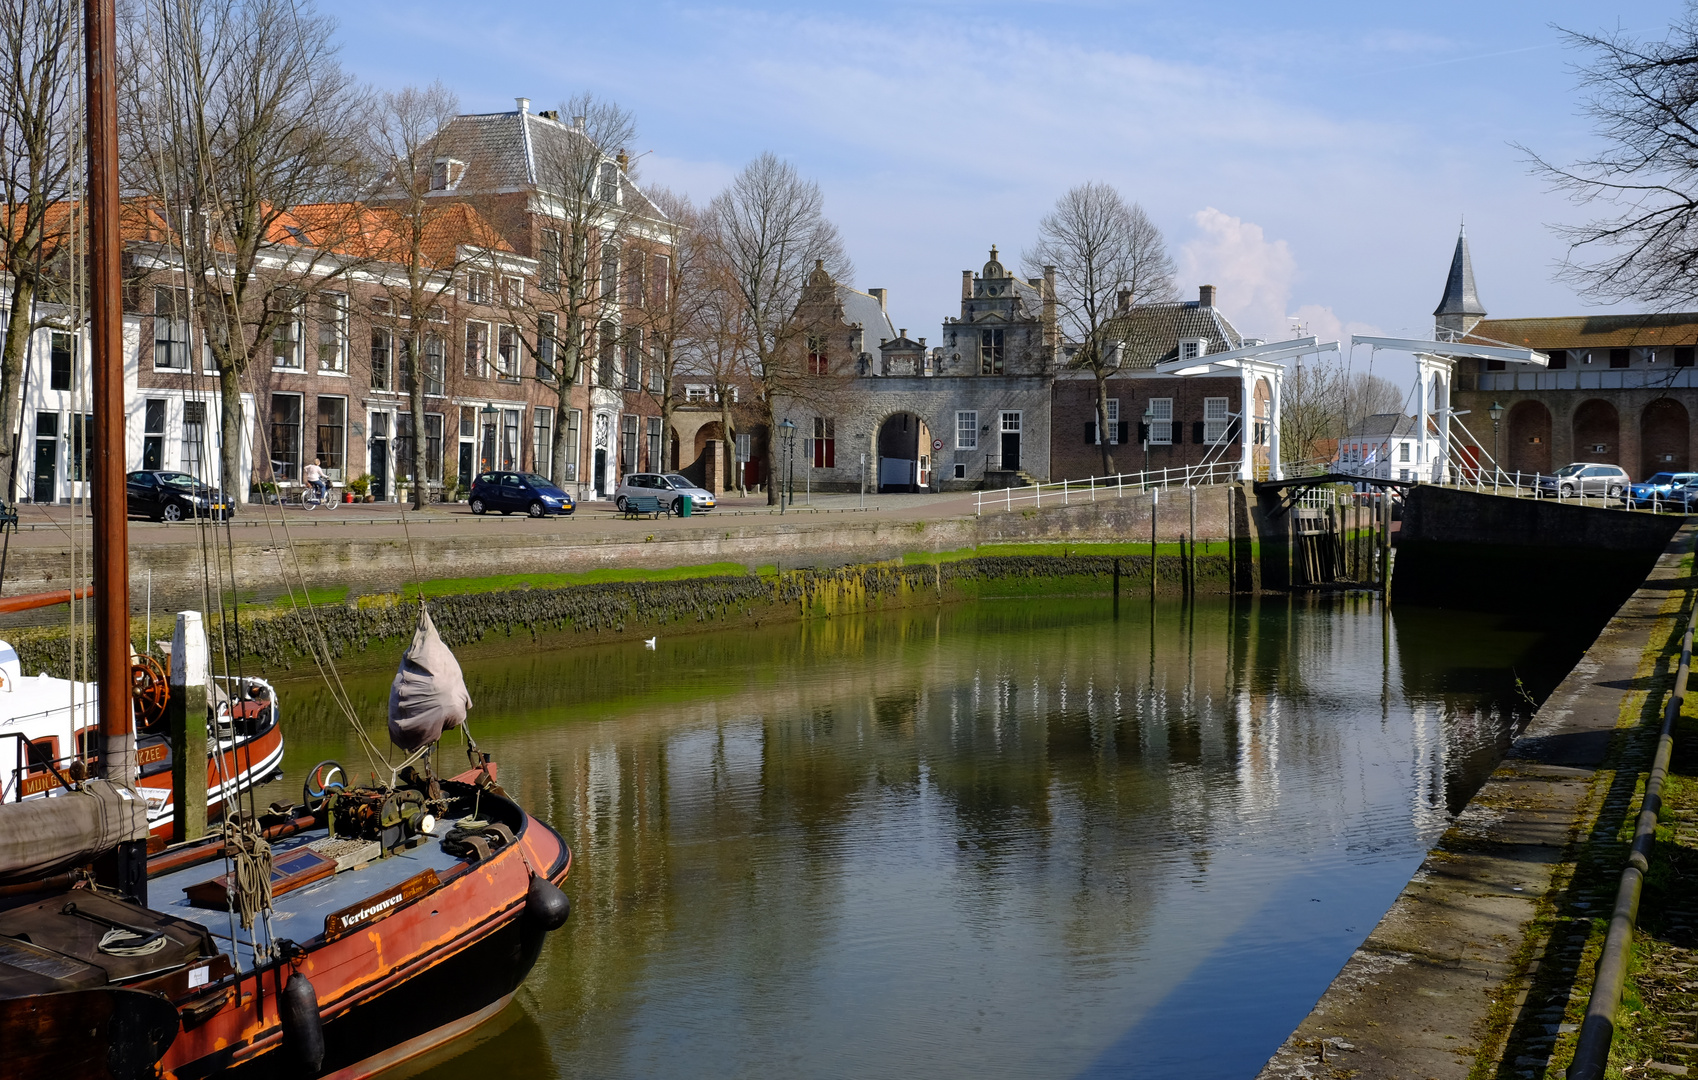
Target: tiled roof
point(503, 151)
point(1590, 331)
point(1152, 332)
point(1460, 297)
point(1383, 425)
point(859, 307)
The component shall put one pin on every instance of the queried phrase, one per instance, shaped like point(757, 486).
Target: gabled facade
point(1385, 446)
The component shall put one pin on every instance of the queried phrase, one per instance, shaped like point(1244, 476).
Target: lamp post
point(787, 431)
point(1497, 414)
point(1149, 420)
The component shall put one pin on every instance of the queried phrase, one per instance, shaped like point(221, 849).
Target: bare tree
point(720, 347)
point(672, 308)
point(426, 240)
point(1642, 97)
point(770, 230)
point(244, 133)
point(1320, 403)
point(38, 160)
point(1108, 256)
point(585, 187)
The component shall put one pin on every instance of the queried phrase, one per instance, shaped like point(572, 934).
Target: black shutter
point(1143, 432)
point(1176, 433)
point(1197, 432)
point(1090, 432)
point(1121, 432)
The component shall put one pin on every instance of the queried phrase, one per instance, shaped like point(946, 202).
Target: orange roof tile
point(1590, 331)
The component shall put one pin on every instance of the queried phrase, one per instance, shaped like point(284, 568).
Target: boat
point(48, 736)
point(335, 937)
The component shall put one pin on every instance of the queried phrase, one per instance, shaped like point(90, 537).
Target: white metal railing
point(1534, 485)
point(1066, 492)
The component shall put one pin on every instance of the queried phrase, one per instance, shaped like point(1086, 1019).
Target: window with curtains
point(433, 447)
point(606, 375)
point(153, 433)
point(286, 335)
point(627, 445)
point(436, 363)
point(655, 449)
point(542, 442)
point(332, 332)
point(574, 427)
point(825, 442)
point(382, 359)
point(545, 347)
point(634, 359)
point(507, 353)
point(477, 350)
point(548, 273)
point(170, 328)
point(332, 434)
point(61, 356)
point(510, 438)
point(194, 438)
point(286, 436)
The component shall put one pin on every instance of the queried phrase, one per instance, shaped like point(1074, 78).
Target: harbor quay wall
point(463, 547)
point(1479, 551)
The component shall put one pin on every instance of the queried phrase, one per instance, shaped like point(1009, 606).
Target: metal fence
point(1067, 492)
point(1536, 485)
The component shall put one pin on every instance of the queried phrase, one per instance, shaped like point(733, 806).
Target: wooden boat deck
point(298, 915)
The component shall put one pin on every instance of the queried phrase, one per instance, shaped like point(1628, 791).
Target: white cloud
point(1252, 274)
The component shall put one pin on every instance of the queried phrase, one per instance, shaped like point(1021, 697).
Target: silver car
point(1585, 478)
point(668, 488)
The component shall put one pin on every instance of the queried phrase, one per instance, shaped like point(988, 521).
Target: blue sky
point(1308, 159)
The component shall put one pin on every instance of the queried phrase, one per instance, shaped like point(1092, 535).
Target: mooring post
point(186, 717)
point(1385, 550)
point(1155, 498)
point(1191, 556)
point(1117, 588)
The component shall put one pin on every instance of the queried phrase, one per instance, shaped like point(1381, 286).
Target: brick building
point(1618, 389)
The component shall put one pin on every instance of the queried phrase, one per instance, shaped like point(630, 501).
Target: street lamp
point(1497, 414)
point(787, 431)
point(1149, 422)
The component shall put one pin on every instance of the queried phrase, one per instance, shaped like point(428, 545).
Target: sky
point(1313, 161)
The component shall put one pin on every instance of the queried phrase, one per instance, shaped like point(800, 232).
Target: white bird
point(650, 642)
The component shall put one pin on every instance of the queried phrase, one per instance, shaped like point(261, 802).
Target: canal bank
point(1440, 988)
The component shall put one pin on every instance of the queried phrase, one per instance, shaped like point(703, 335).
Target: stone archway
point(904, 453)
point(1664, 440)
point(1597, 432)
point(1526, 445)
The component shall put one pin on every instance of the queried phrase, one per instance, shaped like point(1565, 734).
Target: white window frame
point(1113, 423)
point(1161, 421)
point(336, 305)
point(177, 332)
point(1010, 423)
point(481, 364)
point(1217, 419)
point(695, 392)
point(1192, 348)
point(967, 430)
point(293, 326)
point(480, 287)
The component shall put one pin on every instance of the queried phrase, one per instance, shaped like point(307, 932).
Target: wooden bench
point(636, 505)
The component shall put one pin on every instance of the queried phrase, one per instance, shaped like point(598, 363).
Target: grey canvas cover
point(429, 693)
point(39, 837)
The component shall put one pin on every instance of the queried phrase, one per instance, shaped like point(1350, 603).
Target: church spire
point(1460, 308)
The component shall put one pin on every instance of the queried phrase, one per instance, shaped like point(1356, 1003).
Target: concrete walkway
point(1439, 986)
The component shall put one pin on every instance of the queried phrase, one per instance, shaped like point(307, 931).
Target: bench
point(642, 504)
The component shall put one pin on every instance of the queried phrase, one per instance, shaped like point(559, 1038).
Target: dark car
point(510, 491)
point(164, 495)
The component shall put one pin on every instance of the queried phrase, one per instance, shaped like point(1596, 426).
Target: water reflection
point(1010, 839)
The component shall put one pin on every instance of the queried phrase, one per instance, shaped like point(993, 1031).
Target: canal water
point(1006, 839)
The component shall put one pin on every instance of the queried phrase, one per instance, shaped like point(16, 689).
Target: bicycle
point(310, 499)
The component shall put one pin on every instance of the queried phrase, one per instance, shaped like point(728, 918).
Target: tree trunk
point(230, 479)
point(416, 398)
point(774, 456)
point(11, 380)
point(728, 445)
point(1103, 431)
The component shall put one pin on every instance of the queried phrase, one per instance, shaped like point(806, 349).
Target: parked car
point(164, 495)
point(669, 488)
point(1656, 488)
point(513, 491)
point(1684, 496)
point(1585, 478)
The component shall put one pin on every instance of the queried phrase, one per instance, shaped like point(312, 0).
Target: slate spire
point(1460, 300)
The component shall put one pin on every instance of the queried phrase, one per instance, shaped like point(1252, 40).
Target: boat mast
point(111, 529)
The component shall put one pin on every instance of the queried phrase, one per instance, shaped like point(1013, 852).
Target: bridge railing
point(1534, 485)
point(1090, 489)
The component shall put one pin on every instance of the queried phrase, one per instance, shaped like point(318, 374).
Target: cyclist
point(313, 475)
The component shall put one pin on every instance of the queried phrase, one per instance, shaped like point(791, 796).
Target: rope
point(252, 872)
point(112, 943)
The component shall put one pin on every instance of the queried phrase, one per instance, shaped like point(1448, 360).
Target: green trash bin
point(685, 504)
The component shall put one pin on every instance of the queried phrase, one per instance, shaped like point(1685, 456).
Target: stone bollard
point(186, 719)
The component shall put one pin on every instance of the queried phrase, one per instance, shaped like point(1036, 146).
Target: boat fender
point(546, 907)
point(303, 1028)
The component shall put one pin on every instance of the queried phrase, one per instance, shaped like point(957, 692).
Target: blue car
point(1657, 488)
point(512, 491)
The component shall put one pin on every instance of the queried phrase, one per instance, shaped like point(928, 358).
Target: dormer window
point(1192, 348)
point(445, 173)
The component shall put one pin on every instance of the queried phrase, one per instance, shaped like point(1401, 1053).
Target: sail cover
point(429, 693)
point(39, 837)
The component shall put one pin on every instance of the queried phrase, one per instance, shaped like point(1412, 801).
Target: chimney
point(1125, 299)
point(623, 159)
point(577, 123)
point(966, 284)
point(524, 104)
point(902, 334)
point(877, 294)
point(1206, 296)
